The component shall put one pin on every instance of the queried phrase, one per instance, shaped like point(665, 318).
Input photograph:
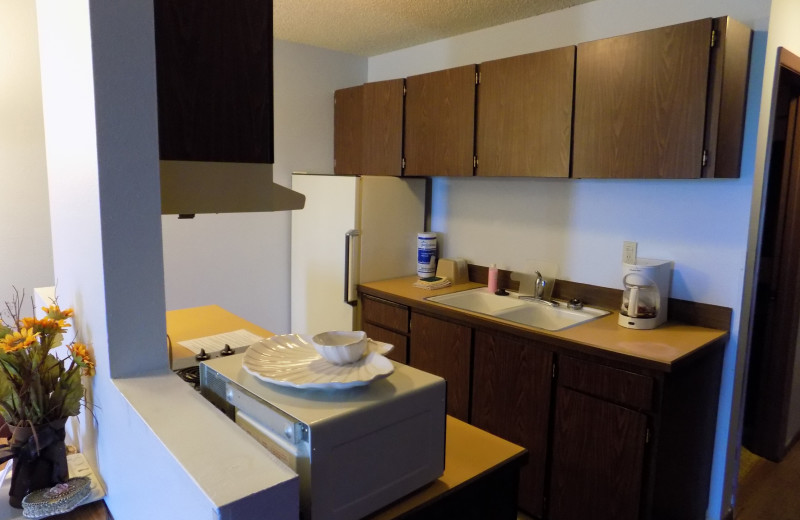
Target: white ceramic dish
point(341, 347)
point(291, 360)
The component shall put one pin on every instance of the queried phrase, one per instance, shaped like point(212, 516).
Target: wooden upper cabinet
point(348, 108)
point(440, 123)
point(214, 75)
point(524, 123)
point(368, 129)
point(640, 103)
point(383, 128)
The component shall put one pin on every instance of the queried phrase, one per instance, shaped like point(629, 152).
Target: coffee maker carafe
point(646, 293)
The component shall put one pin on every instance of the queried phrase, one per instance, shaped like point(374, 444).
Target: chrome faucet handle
point(540, 284)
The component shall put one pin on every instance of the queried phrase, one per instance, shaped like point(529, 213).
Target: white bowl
point(341, 347)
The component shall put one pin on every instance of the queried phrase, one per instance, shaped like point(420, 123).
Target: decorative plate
point(291, 360)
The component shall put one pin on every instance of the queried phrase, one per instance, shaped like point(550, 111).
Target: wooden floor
point(768, 490)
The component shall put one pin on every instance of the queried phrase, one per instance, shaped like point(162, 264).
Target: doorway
point(772, 401)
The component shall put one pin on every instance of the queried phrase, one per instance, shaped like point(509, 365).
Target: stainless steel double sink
point(516, 310)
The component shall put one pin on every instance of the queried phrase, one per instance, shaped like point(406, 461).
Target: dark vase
point(40, 459)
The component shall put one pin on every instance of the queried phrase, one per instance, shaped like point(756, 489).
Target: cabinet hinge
point(404, 90)
point(705, 157)
point(474, 161)
point(403, 163)
point(647, 436)
point(713, 37)
point(478, 78)
point(554, 371)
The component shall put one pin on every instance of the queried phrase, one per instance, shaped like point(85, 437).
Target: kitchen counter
point(662, 348)
point(199, 322)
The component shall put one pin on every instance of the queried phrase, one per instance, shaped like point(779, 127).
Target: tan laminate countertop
point(198, 322)
point(661, 347)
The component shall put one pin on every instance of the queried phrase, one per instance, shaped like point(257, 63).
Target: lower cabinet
point(606, 439)
point(598, 456)
point(511, 399)
point(444, 348)
point(400, 351)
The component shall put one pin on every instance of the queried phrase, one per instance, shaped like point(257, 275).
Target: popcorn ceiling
point(372, 27)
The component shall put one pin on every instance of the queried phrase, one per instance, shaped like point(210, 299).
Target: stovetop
point(191, 375)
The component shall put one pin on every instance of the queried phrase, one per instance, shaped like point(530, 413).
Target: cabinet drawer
point(613, 384)
point(400, 351)
point(385, 313)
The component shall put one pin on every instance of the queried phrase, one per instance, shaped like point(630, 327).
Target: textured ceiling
point(371, 27)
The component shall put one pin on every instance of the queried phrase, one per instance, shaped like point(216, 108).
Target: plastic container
point(492, 278)
point(426, 255)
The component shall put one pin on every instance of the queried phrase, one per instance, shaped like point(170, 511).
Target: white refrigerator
point(353, 229)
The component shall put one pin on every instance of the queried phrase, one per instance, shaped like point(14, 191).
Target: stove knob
point(202, 356)
point(227, 351)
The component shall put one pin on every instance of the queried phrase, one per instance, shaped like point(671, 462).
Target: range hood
point(190, 187)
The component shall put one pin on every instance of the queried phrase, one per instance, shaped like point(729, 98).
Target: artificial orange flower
point(82, 358)
point(45, 326)
point(24, 338)
point(55, 312)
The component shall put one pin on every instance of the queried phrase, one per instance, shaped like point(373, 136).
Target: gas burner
point(191, 375)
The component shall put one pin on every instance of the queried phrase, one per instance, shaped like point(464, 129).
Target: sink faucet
point(540, 283)
point(538, 295)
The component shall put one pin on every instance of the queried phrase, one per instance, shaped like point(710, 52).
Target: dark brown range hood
point(215, 108)
point(190, 187)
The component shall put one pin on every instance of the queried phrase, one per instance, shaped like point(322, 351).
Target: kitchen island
point(481, 469)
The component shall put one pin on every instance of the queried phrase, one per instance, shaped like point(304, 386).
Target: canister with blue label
point(426, 255)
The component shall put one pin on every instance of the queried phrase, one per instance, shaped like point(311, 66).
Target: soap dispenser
point(492, 278)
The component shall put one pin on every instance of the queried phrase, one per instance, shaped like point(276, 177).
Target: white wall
point(241, 261)
point(148, 433)
point(24, 211)
point(580, 225)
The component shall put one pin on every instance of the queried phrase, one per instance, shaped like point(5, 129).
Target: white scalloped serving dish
point(291, 360)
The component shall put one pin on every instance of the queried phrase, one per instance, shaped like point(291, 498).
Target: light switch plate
point(629, 252)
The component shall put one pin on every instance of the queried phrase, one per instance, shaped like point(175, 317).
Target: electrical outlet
point(629, 252)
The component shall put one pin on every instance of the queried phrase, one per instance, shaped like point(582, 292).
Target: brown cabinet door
point(214, 75)
point(443, 348)
point(440, 123)
point(525, 115)
point(383, 128)
point(598, 456)
point(511, 398)
point(348, 108)
point(640, 103)
point(400, 351)
point(368, 129)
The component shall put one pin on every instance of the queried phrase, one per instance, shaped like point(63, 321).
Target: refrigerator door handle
point(351, 249)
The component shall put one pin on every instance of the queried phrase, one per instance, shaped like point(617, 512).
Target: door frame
point(770, 365)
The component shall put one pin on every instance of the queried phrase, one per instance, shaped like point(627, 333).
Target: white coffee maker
point(646, 293)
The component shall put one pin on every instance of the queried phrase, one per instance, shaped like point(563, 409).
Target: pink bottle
point(492, 278)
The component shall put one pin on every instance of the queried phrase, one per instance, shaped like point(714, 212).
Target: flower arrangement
point(36, 386)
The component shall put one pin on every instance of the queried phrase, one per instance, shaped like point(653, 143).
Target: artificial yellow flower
point(55, 312)
point(19, 340)
point(45, 326)
point(82, 358)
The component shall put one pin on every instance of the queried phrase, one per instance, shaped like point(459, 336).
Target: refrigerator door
point(319, 235)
